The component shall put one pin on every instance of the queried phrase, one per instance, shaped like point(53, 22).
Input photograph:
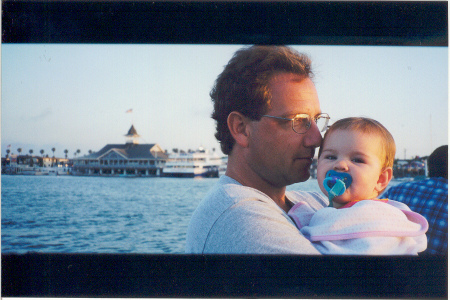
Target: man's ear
point(237, 124)
point(384, 179)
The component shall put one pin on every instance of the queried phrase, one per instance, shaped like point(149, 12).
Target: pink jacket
point(368, 227)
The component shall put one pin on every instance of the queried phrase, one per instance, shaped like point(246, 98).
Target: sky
point(76, 96)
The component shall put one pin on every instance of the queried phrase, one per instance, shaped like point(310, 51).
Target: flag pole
point(130, 111)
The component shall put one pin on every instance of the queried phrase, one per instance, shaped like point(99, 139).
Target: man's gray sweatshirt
point(236, 219)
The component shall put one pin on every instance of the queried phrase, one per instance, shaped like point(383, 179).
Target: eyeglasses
point(302, 122)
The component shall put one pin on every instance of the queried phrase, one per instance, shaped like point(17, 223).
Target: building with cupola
point(129, 159)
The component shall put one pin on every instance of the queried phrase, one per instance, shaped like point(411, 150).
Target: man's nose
point(340, 165)
point(313, 138)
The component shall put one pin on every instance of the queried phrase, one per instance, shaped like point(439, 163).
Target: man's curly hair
point(243, 84)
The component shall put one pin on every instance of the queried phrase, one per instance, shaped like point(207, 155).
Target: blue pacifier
point(335, 183)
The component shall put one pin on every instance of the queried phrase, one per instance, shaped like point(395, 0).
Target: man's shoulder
point(432, 181)
point(228, 192)
point(314, 199)
point(435, 185)
point(231, 190)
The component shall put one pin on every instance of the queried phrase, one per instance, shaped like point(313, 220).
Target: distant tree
point(78, 151)
point(42, 152)
point(175, 150)
point(7, 152)
point(65, 152)
point(31, 158)
point(53, 149)
point(19, 150)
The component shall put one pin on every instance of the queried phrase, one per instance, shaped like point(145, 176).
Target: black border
point(254, 276)
point(291, 22)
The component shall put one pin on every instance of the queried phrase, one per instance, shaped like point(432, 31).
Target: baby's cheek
point(320, 182)
point(321, 174)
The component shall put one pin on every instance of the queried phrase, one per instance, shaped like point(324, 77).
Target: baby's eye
point(330, 157)
point(358, 160)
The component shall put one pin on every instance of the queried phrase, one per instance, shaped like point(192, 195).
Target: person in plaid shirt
point(429, 198)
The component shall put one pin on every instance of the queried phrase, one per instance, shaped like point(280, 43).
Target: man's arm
point(255, 227)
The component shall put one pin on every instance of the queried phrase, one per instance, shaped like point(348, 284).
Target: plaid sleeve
point(430, 199)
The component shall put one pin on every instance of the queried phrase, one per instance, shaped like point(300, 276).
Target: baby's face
point(354, 153)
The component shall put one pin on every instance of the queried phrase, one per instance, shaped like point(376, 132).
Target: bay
point(72, 214)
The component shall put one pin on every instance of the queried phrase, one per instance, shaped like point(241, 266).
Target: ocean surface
point(71, 214)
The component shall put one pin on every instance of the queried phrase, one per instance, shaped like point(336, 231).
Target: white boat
point(58, 170)
point(52, 172)
point(28, 170)
point(200, 163)
point(223, 167)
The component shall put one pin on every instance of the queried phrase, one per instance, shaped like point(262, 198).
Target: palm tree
point(31, 158)
point(7, 152)
point(90, 151)
point(78, 151)
point(19, 159)
point(53, 149)
point(42, 154)
point(66, 151)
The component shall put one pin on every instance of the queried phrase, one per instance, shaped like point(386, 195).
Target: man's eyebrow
point(295, 114)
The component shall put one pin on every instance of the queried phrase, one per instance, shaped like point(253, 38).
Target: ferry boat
point(200, 163)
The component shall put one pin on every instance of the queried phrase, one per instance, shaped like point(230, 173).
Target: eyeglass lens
point(322, 123)
point(303, 123)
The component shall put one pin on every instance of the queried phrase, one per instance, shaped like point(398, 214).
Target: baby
point(354, 167)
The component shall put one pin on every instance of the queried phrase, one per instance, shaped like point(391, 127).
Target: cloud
point(42, 115)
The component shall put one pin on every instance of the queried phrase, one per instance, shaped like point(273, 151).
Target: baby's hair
point(369, 126)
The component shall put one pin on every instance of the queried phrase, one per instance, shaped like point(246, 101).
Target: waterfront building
point(35, 165)
point(129, 159)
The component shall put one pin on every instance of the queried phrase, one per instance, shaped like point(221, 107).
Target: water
point(70, 214)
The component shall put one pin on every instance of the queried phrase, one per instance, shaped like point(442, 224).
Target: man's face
point(276, 153)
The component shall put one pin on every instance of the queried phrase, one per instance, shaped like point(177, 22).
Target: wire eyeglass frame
point(308, 118)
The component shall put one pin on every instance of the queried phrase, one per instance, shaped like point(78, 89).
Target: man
point(268, 122)
point(429, 198)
